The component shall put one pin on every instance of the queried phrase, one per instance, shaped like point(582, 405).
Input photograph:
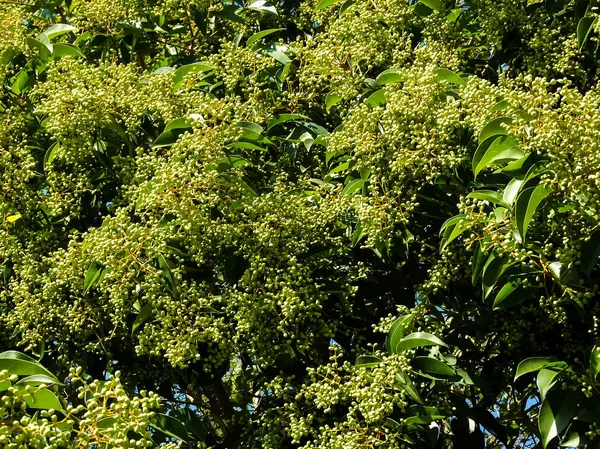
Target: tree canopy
point(332, 224)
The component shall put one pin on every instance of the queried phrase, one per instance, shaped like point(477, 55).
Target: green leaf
point(495, 128)
point(331, 100)
point(263, 6)
point(436, 5)
point(196, 67)
point(170, 135)
point(453, 228)
point(22, 365)
point(403, 381)
point(142, 317)
point(60, 50)
point(490, 196)
point(511, 190)
point(42, 399)
point(512, 294)
point(574, 439)
point(433, 366)
point(93, 276)
point(492, 270)
point(229, 12)
point(558, 409)
point(532, 364)
point(390, 76)
point(493, 151)
point(595, 360)
point(548, 376)
point(526, 206)
point(377, 98)
point(500, 106)
point(590, 251)
point(417, 339)
point(449, 75)
point(584, 28)
point(57, 30)
point(50, 155)
point(367, 361)
point(250, 131)
point(256, 36)
point(353, 186)
point(397, 331)
point(43, 48)
point(477, 263)
point(38, 379)
point(282, 118)
point(324, 4)
point(171, 426)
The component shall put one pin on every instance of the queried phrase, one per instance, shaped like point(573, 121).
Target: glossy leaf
point(367, 361)
point(403, 381)
point(584, 28)
point(490, 196)
point(263, 6)
point(324, 4)
point(22, 365)
point(257, 36)
point(511, 294)
point(558, 409)
point(590, 251)
point(449, 75)
point(548, 376)
point(503, 148)
point(432, 366)
point(93, 276)
point(171, 426)
point(417, 339)
point(145, 313)
point(38, 379)
point(42, 399)
point(172, 132)
point(436, 5)
point(495, 127)
point(376, 99)
point(390, 76)
point(61, 50)
point(527, 203)
point(397, 331)
point(57, 30)
point(196, 67)
point(531, 365)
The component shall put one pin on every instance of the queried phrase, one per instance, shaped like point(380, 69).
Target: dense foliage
point(300, 224)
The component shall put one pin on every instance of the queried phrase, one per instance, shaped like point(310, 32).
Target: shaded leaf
point(433, 366)
point(584, 28)
point(558, 409)
point(404, 382)
point(93, 276)
point(526, 206)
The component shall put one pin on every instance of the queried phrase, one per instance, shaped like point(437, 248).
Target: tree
point(316, 224)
